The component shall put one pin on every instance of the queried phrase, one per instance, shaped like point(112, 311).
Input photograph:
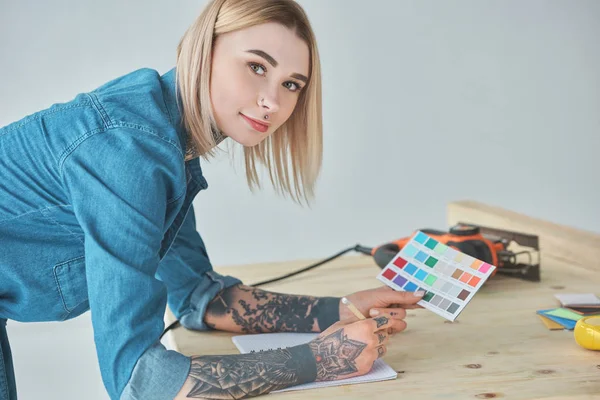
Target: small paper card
point(564, 313)
point(577, 299)
point(449, 277)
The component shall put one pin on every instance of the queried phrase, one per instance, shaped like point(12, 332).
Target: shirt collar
point(172, 102)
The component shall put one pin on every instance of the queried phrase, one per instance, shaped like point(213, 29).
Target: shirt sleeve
point(188, 274)
point(120, 182)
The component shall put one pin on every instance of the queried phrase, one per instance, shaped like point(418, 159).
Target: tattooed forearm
point(250, 310)
point(247, 375)
point(240, 376)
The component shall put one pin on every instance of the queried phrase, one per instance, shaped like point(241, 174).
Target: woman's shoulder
point(137, 96)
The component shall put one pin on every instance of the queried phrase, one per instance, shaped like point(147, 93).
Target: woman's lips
point(258, 126)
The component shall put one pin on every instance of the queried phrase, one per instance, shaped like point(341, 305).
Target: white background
point(425, 102)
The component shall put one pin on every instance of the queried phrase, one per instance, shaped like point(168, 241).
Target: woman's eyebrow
point(274, 63)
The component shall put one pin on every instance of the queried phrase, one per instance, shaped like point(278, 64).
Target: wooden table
point(498, 347)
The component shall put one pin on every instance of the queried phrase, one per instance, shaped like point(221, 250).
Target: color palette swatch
point(449, 277)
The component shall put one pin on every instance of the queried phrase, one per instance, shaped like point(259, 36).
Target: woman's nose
point(268, 101)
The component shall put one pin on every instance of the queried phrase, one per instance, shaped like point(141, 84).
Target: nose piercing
point(266, 117)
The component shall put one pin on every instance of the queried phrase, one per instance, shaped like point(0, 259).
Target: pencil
point(352, 308)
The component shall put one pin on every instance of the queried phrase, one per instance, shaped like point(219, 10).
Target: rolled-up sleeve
point(188, 274)
point(120, 183)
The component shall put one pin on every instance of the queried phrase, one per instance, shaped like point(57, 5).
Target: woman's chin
point(247, 139)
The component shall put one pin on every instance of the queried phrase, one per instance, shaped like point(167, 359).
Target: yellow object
point(353, 308)
point(587, 332)
point(551, 324)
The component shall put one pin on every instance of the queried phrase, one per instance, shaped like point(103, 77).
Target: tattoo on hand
point(381, 321)
point(336, 355)
point(380, 351)
point(381, 337)
point(264, 311)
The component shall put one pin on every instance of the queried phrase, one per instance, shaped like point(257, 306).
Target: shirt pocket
point(72, 286)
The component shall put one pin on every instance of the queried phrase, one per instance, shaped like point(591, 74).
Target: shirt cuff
point(205, 292)
point(159, 374)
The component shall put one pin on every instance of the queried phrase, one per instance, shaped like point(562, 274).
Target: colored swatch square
point(440, 248)
point(410, 268)
point(457, 273)
point(459, 257)
point(400, 262)
point(410, 250)
point(446, 288)
point(453, 308)
point(420, 237)
point(485, 268)
point(428, 295)
point(436, 300)
point(421, 256)
point(389, 274)
point(455, 291)
point(410, 287)
point(431, 243)
point(474, 281)
point(431, 261)
point(400, 280)
point(445, 303)
point(476, 264)
point(464, 294)
point(421, 275)
point(465, 277)
point(430, 280)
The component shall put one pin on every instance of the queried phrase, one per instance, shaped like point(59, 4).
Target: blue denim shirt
point(96, 214)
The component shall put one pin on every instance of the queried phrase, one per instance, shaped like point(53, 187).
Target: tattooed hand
point(383, 300)
point(348, 349)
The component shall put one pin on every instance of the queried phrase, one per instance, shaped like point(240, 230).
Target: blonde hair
point(293, 153)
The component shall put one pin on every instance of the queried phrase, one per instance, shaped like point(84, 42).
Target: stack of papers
point(574, 307)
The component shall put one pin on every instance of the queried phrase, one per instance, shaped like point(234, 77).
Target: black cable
point(358, 248)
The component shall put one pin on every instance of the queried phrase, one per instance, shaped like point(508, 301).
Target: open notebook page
point(269, 341)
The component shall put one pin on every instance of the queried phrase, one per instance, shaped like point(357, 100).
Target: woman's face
point(256, 72)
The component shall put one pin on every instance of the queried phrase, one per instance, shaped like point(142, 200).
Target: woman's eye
point(294, 86)
point(257, 68)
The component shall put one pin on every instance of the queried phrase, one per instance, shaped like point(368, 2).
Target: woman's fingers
point(381, 322)
point(382, 337)
point(396, 313)
point(387, 323)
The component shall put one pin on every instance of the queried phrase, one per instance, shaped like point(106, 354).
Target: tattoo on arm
point(240, 376)
point(250, 310)
point(247, 375)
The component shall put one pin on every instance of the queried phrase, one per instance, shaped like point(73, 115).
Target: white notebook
point(269, 341)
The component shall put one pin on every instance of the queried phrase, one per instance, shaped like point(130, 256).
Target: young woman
point(96, 214)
